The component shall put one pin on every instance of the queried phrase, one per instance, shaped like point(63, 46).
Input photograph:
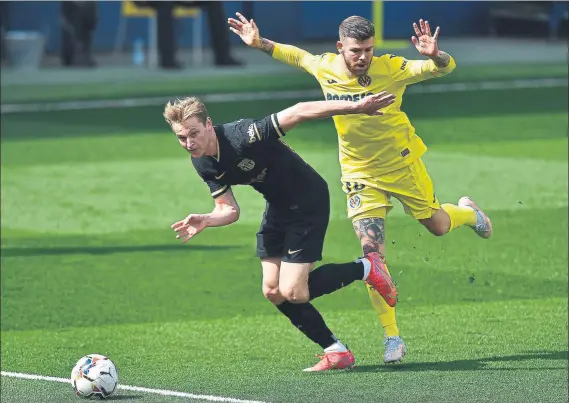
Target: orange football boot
point(333, 360)
point(380, 280)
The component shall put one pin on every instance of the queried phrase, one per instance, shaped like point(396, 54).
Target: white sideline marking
point(270, 95)
point(162, 392)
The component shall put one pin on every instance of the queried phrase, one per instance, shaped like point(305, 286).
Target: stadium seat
point(130, 10)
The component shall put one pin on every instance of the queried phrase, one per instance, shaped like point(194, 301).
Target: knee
point(438, 230)
point(296, 295)
point(273, 294)
point(436, 227)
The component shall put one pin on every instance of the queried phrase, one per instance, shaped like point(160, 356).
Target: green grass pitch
point(89, 263)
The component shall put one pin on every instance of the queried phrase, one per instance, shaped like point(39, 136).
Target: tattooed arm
point(291, 55)
point(266, 46)
point(371, 232)
point(412, 71)
point(249, 33)
point(441, 60)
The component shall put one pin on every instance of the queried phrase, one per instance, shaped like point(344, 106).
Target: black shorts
point(294, 235)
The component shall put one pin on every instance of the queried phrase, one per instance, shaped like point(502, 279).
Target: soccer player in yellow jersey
point(380, 156)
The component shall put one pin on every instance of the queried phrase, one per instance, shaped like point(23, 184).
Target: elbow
point(232, 213)
point(225, 214)
point(235, 214)
point(297, 109)
point(303, 111)
point(292, 116)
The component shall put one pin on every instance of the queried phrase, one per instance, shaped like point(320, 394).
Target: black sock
point(309, 321)
point(331, 277)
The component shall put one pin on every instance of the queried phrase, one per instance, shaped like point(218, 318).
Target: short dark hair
point(356, 27)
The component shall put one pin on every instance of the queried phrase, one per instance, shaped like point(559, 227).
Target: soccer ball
point(94, 376)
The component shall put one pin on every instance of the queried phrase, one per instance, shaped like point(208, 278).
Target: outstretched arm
point(427, 44)
point(306, 111)
point(288, 54)
point(266, 45)
point(414, 71)
point(225, 212)
point(442, 59)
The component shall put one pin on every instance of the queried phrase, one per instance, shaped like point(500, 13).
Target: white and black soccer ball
point(94, 376)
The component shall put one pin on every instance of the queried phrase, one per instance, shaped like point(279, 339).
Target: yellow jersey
point(369, 146)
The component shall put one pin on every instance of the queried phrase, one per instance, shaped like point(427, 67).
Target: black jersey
point(251, 152)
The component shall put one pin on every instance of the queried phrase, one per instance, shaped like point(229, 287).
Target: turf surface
point(287, 79)
point(89, 263)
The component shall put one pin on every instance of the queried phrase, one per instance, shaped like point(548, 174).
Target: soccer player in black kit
point(291, 237)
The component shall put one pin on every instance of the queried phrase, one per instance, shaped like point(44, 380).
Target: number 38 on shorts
point(411, 185)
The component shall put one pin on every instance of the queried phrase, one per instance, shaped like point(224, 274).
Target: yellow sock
point(459, 215)
point(385, 313)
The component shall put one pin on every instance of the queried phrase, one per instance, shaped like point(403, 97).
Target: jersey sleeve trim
point(256, 130)
point(219, 192)
point(276, 125)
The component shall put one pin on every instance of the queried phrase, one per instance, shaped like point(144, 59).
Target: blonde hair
point(182, 109)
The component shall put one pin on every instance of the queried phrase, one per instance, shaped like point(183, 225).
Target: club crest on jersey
point(260, 177)
point(355, 202)
point(364, 80)
point(246, 164)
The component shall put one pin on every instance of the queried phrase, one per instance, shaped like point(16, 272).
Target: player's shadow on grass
point(468, 365)
point(107, 250)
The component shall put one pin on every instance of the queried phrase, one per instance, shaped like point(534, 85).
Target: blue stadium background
point(298, 21)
